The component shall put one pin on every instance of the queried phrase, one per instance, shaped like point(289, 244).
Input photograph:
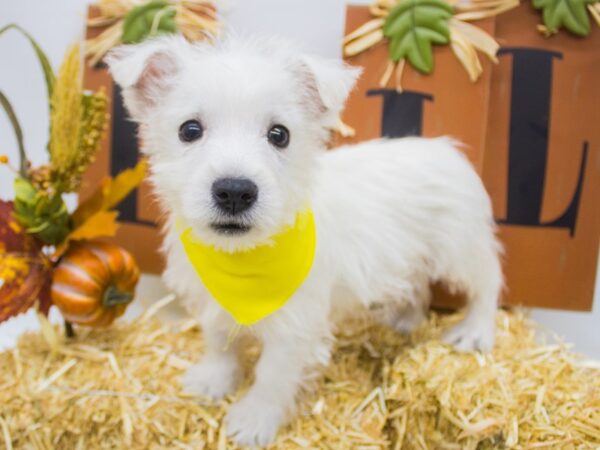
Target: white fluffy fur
point(392, 215)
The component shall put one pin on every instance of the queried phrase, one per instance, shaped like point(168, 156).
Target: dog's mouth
point(230, 228)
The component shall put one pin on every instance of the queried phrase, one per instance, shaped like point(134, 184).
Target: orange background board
point(546, 266)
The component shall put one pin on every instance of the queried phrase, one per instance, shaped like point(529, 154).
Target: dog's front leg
point(218, 372)
point(286, 361)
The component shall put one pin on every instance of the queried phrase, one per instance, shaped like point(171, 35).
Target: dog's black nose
point(234, 195)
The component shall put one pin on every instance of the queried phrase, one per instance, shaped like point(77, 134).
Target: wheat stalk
point(77, 122)
point(65, 107)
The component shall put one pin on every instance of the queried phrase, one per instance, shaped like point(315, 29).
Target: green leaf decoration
point(413, 26)
point(24, 191)
point(42, 58)
point(46, 217)
point(147, 20)
point(569, 14)
point(12, 117)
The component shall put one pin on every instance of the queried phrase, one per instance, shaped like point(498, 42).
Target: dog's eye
point(190, 131)
point(279, 136)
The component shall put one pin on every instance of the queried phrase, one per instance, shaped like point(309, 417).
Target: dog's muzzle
point(232, 197)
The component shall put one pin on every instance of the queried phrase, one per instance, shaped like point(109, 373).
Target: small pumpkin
point(94, 282)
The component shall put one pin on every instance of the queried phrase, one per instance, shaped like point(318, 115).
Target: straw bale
point(118, 388)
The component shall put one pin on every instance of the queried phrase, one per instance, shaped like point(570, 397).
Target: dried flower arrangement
point(39, 238)
point(44, 249)
point(412, 27)
point(380, 391)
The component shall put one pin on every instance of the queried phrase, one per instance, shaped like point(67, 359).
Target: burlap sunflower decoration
point(412, 27)
point(571, 15)
point(132, 21)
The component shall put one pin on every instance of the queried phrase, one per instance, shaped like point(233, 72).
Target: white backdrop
point(317, 24)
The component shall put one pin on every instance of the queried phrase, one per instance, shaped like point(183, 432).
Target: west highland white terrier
point(268, 229)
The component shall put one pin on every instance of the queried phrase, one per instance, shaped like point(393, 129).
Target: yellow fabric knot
point(255, 283)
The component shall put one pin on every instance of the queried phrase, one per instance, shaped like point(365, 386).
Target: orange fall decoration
point(94, 282)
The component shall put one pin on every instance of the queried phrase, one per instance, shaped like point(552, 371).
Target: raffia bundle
point(594, 10)
point(118, 388)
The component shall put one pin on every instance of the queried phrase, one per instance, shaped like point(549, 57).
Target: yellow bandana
point(253, 284)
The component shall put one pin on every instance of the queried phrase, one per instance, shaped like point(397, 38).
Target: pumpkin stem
point(69, 331)
point(113, 297)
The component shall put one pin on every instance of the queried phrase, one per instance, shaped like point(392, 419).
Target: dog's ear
point(330, 82)
point(145, 71)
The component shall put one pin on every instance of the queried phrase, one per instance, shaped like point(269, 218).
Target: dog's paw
point(470, 335)
point(404, 320)
point(253, 422)
point(409, 319)
point(406, 325)
point(214, 377)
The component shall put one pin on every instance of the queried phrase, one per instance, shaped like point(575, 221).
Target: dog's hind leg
point(477, 329)
point(406, 313)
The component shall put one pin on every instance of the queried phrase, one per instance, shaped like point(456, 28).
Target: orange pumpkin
point(94, 282)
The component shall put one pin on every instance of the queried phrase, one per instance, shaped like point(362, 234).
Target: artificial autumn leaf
point(25, 273)
point(124, 183)
point(110, 193)
point(149, 19)
point(569, 14)
point(92, 204)
point(413, 26)
point(44, 295)
point(103, 223)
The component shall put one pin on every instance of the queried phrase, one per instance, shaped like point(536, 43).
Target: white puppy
point(391, 215)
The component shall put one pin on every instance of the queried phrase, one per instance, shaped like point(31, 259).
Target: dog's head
point(231, 129)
